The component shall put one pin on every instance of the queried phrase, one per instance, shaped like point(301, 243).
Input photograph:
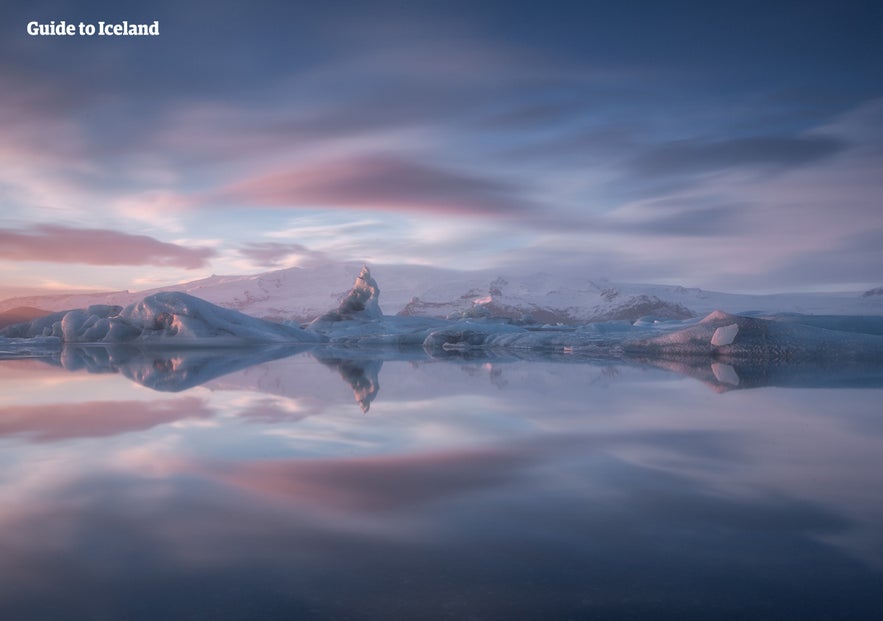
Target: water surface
point(326, 484)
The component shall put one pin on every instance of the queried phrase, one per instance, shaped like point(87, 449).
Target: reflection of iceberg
point(743, 374)
point(173, 370)
point(362, 374)
point(167, 370)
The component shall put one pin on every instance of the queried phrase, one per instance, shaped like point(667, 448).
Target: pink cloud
point(379, 182)
point(60, 244)
point(95, 419)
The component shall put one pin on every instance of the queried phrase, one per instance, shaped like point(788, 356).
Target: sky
point(725, 145)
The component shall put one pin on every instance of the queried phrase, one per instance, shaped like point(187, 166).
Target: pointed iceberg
point(361, 303)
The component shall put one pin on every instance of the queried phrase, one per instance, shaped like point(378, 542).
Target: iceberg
point(177, 319)
point(361, 303)
point(164, 319)
point(788, 338)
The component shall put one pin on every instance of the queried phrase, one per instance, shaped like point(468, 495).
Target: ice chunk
point(725, 335)
point(361, 303)
point(363, 298)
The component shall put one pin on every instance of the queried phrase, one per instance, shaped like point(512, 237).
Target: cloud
point(709, 221)
point(61, 244)
point(696, 156)
point(272, 254)
point(383, 183)
point(852, 262)
point(95, 419)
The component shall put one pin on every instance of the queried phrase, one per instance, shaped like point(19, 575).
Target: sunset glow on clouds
point(59, 244)
point(714, 146)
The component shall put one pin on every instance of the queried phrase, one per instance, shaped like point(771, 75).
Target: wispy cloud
point(273, 254)
point(692, 156)
point(384, 183)
point(61, 244)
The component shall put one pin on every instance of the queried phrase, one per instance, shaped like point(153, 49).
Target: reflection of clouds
point(532, 525)
point(41, 381)
point(384, 483)
point(272, 410)
point(62, 421)
point(161, 458)
point(644, 487)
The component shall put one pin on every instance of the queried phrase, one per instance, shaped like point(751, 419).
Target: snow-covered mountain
point(301, 294)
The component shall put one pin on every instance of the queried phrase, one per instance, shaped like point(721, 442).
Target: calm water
point(320, 485)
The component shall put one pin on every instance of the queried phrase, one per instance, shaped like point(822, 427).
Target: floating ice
point(725, 335)
point(169, 318)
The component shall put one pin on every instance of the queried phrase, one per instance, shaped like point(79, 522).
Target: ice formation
point(169, 318)
point(177, 319)
point(300, 294)
point(789, 338)
point(725, 335)
point(361, 303)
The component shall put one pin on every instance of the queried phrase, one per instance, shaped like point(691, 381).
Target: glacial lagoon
point(323, 483)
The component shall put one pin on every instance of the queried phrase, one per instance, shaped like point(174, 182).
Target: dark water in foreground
point(470, 489)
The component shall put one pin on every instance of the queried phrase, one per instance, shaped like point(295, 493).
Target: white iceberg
point(725, 335)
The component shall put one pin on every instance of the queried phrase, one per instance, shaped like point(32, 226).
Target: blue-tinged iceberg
point(177, 319)
point(774, 338)
point(169, 318)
